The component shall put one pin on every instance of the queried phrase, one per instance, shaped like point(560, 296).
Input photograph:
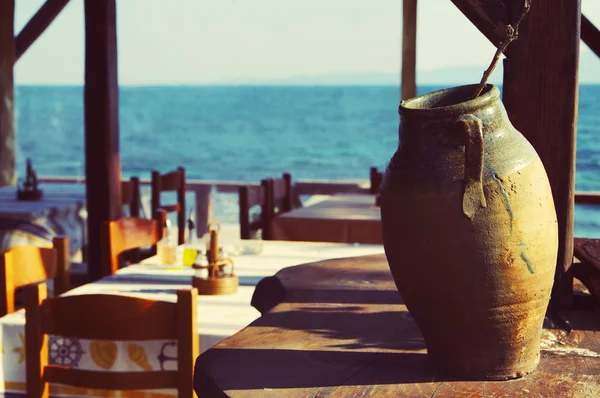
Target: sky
point(220, 41)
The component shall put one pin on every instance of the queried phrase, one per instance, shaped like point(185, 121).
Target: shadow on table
point(270, 292)
point(347, 327)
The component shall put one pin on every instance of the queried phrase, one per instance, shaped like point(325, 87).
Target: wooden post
point(540, 94)
point(409, 49)
point(7, 93)
point(101, 96)
point(204, 209)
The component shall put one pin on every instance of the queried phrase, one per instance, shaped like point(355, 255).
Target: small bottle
point(190, 249)
point(166, 248)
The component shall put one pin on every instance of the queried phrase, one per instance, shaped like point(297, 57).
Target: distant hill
point(589, 65)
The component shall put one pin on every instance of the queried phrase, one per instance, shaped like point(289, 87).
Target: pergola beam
point(590, 35)
point(101, 99)
point(489, 16)
point(7, 93)
point(37, 25)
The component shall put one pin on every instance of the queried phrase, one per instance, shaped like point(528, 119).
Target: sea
point(247, 133)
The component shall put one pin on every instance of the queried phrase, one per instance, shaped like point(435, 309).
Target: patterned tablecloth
point(218, 316)
point(60, 212)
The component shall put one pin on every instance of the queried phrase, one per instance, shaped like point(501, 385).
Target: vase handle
point(473, 196)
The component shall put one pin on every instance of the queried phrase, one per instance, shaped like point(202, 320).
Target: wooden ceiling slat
point(590, 35)
point(37, 25)
point(490, 16)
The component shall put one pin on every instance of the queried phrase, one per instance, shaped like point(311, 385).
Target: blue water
point(248, 133)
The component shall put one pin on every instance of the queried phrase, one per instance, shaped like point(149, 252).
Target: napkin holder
point(28, 190)
point(217, 281)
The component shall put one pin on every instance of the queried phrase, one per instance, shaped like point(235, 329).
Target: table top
point(218, 316)
point(338, 218)
point(340, 206)
point(340, 327)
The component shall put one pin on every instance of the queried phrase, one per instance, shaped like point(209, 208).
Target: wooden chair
point(131, 196)
point(173, 181)
point(281, 195)
point(280, 199)
point(375, 176)
point(24, 265)
point(109, 317)
point(251, 198)
point(127, 233)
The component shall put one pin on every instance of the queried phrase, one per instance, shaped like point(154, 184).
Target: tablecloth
point(219, 316)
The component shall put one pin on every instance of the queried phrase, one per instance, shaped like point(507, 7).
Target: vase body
point(470, 233)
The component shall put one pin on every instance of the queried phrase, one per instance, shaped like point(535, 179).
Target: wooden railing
point(591, 198)
point(203, 190)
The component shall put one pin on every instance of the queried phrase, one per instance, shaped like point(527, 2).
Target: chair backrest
point(128, 233)
point(172, 181)
point(252, 197)
point(24, 265)
point(375, 177)
point(280, 194)
point(280, 200)
point(109, 317)
point(131, 196)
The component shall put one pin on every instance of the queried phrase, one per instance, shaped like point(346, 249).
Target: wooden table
point(339, 218)
point(218, 316)
point(339, 328)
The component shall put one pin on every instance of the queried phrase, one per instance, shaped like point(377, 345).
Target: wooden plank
point(37, 25)
point(340, 328)
point(592, 198)
point(409, 49)
point(490, 16)
point(540, 93)
point(590, 35)
point(101, 96)
point(7, 93)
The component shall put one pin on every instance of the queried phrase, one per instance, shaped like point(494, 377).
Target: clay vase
point(470, 233)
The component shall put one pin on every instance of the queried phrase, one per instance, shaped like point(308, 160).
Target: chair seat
point(588, 270)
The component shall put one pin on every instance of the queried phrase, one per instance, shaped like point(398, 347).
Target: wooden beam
point(588, 198)
point(489, 16)
point(7, 93)
point(540, 93)
point(101, 97)
point(37, 25)
point(590, 35)
point(409, 49)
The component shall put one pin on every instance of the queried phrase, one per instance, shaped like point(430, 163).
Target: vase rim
point(449, 101)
